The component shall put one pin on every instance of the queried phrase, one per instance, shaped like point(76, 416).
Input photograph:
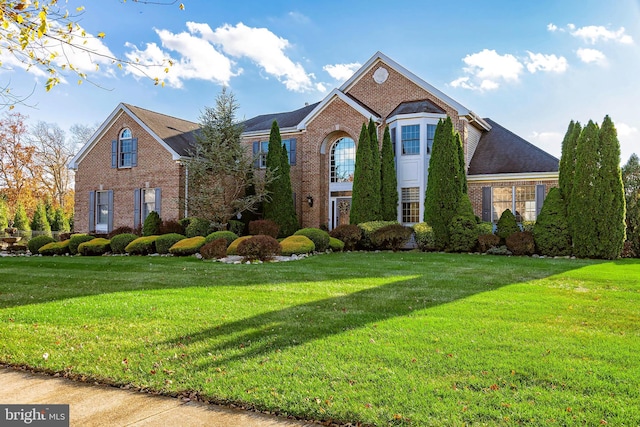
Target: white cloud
point(542, 62)
point(591, 56)
point(592, 34)
point(552, 27)
point(204, 53)
point(549, 141)
point(487, 69)
point(342, 72)
point(624, 129)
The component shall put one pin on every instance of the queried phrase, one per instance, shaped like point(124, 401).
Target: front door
point(340, 208)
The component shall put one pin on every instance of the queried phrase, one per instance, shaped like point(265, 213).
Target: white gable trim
point(335, 93)
point(106, 125)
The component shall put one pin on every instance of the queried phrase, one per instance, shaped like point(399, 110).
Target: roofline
point(325, 102)
point(502, 177)
point(257, 133)
point(121, 108)
point(379, 56)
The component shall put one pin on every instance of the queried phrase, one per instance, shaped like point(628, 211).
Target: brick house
point(133, 164)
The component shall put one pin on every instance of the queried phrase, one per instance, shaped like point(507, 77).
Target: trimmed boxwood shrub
point(336, 245)
point(197, 227)
point(392, 236)
point(188, 246)
point(164, 242)
point(264, 227)
point(75, 240)
point(37, 242)
point(297, 244)
point(232, 249)
point(152, 223)
point(228, 236)
point(320, 238)
point(120, 241)
point(214, 249)
point(507, 225)
point(97, 246)
point(142, 246)
point(260, 247)
point(487, 241)
point(484, 228)
point(349, 234)
point(55, 248)
point(463, 235)
point(425, 239)
point(521, 243)
point(368, 228)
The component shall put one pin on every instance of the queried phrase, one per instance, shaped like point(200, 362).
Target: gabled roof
point(502, 151)
point(175, 135)
point(336, 93)
point(414, 107)
point(285, 120)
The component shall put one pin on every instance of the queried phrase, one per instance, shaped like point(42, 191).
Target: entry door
point(341, 210)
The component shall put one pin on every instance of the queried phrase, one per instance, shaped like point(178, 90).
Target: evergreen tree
point(279, 208)
point(20, 220)
point(567, 167)
point(462, 174)
point(610, 202)
point(49, 209)
point(362, 181)
point(60, 221)
point(444, 186)
point(581, 212)
point(4, 214)
point(551, 230)
point(39, 222)
point(631, 179)
point(151, 225)
point(388, 180)
point(375, 204)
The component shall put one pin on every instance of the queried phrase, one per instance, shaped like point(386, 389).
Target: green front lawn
point(386, 338)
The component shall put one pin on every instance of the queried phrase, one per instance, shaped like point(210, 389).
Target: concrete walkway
point(97, 406)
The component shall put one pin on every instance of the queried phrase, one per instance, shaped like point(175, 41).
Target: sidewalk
point(97, 406)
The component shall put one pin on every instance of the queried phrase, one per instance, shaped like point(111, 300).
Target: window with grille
point(410, 140)
point(343, 160)
point(410, 205)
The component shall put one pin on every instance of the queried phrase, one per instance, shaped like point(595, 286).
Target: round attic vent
point(380, 75)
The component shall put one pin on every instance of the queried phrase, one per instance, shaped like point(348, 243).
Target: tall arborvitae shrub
point(567, 167)
point(610, 203)
point(20, 220)
point(279, 208)
point(152, 223)
point(463, 228)
point(39, 222)
point(581, 212)
point(375, 202)
point(631, 180)
point(388, 180)
point(462, 166)
point(60, 221)
point(4, 215)
point(362, 180)
point(444, 188)
point(507, 224)
point(551, 230)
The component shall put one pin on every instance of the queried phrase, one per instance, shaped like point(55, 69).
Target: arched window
point(343, 160)
point(125, 148)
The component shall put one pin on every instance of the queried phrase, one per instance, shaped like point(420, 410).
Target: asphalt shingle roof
point(412, 107)
point(177, 133)
point(285, 120)
point(502, 151)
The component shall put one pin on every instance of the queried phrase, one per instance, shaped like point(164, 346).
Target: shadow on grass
point(443, 281)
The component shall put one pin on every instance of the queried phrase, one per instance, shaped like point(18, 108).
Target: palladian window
point(343, 160)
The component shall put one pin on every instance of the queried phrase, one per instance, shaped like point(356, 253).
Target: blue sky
point(531, 66)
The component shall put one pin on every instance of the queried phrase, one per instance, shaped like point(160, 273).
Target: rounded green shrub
point(463, 235)
point(188, 246)
point(37, 242)
point(197, 227)
point(484, 228)
point(164, 242)
point(75, 240)
point(368, 228)
point(521, 243)
point(152, 223)
point(349, 234)
point(233, 247)
point(229, 236)
point(551, 231)
point(264, 227)
point(214, 249)
point(55, 248)
point(320, 238)
point(391, 237)
point(506, 224)
point(425, 239)
point(120, 241)
point(336, 245)
point(297, 244)
point(97, 246)
point(260, 247)
point(142, 246)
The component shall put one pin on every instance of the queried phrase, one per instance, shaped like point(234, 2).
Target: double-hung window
point(410, 205)
point(124, 150)
point(101, 211)
point(431, 133)
point(145, 201)
point(524, 201)
point(261, 149)
point(410, 136)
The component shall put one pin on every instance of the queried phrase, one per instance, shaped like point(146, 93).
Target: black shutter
point(486, 204)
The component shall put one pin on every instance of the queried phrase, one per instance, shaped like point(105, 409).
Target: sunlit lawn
point(386, 338)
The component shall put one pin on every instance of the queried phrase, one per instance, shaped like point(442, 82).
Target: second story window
point(124, 151)
point(410, 140)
